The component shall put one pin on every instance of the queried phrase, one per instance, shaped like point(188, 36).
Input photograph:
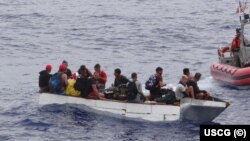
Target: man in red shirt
point(101, 77)
point(235, 48)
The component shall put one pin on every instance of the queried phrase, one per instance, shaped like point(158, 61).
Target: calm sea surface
point(134, 35)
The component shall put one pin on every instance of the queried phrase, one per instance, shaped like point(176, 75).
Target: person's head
point(63, 68)
point(238, 31)
point(134, 76)
point(48, 68)
point(97, 68)
point(159, 71)
point(117, 72)
point(184, 79)
point(186, 71)
point(197, 76)
point(65, 62)
point(83, 71)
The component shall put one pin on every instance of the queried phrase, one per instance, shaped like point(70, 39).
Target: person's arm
point(162, 84)
point(95, 90)
point(139, 87)
point(100, 95)
point(65, 79)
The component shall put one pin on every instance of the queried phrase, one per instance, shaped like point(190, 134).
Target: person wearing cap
point(44, 79)
point(101, 77)
point(59, 81)
point(235, 48)
point(68, 72)
point(198, 94)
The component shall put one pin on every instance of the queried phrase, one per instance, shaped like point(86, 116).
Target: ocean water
point(134, 35)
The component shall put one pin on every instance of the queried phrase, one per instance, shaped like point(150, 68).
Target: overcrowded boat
point(187, 109)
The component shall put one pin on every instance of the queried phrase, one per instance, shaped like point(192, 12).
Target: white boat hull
point(149, 112)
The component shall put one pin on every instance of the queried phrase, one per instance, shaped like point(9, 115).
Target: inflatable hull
point(230, 74)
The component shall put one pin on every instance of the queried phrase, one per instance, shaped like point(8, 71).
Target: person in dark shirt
point(156, 82)
point(199, 94)
point(119, 79)
point(87, 85)
point(68, 72)
point(44, 78)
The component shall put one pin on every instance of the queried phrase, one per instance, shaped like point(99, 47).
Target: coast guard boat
point(226, 70)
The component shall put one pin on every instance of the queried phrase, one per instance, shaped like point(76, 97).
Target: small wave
point(35, 125)
point(4, 138)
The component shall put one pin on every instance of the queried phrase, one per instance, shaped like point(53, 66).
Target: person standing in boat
point(198, 94)
point(235, 48)
point(87, 85)
point(68, 72)
point(182, 90)
point(44, 79)
point(155, 83)
point(101, 77)
point(119, 79)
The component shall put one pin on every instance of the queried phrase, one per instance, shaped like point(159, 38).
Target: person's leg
point(190, 92)
point(200, 95)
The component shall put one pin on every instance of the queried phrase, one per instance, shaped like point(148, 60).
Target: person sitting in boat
point(154, 84)
point(119, 79)
point(88, 71)
point(198, 94)
point(187, 73)
point(44, 79)
point(59, 81)
point(101, 77)
point(70, 90)
point(134, 90)
point(235, 48)
point(87, 85)
point(68, 72)
point(182, 90)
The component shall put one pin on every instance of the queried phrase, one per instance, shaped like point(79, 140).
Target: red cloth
point(92, 95)
point(102, 74)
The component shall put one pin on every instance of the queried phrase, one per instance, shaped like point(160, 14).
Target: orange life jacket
point(236, 44)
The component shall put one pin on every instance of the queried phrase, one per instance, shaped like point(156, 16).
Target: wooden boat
point(188, 109)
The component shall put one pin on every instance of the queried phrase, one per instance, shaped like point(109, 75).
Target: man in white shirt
point(182, 90)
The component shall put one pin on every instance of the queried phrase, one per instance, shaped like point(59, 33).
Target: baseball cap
point(48, 67)
point(62, 67)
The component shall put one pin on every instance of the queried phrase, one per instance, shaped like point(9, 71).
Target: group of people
point(89, 85)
